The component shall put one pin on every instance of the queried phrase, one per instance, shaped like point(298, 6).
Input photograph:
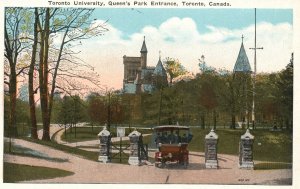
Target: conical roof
point(242, 63)
point(144, 48)
point(159, 69)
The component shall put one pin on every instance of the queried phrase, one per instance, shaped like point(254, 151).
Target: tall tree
point(174, 68)
point(14, 27)
point(285, 85)
point(31, 89)
point(97, 109)
point(72, 25)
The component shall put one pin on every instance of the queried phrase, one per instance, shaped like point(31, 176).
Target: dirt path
point(87, 171)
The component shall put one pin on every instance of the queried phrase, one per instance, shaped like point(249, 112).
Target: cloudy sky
point(186, 34)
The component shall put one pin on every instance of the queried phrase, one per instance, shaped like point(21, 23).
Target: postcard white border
point(280, 4)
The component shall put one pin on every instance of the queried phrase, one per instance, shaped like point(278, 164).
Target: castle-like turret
point(144, 52)
point(160, 74)
point(140, 78)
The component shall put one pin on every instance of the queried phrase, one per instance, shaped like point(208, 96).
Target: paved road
point(87, 171)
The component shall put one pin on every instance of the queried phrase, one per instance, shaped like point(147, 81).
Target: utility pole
point(254, 74)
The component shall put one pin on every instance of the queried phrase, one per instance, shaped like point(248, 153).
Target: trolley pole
point(254, 74)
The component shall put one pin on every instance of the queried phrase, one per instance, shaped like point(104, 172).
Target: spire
point(144, 48)
point(242, 63)
point(159, 69)
point(159, 55)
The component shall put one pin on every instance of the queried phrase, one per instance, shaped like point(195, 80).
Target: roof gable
point(159, 69)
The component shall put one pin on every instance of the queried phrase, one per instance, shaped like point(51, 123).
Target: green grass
point(275, 146)
point(87, 133)
point(82, 134)
point(266, 166)
point(17, 172)
point(268, 146)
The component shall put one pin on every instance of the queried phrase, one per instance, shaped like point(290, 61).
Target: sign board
point(120, 131)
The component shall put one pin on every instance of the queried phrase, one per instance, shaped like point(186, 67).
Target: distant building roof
point(242, 63)
point(159, 69)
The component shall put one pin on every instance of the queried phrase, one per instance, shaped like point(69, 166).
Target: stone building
point(138, 77)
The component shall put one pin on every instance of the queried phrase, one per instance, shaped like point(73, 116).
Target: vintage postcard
point(192, 93)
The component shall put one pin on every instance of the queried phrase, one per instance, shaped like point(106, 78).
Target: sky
point(186, 35)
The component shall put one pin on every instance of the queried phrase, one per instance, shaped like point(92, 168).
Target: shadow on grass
point(75, 151)
point(28, 152)
point(16, 172)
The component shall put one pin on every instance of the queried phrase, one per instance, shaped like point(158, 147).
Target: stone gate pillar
point(105, 140)
point(134, 138)
point(211, 157)
point(246, 151)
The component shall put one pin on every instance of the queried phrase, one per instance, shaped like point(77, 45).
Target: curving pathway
point(87, 171)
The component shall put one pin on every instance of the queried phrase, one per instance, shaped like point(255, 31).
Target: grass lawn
point(16, 172)
point(266, 166)
point(82, 134)
point(87, 133)
point(268, 145)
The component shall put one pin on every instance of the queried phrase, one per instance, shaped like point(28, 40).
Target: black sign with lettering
point(247, 147)
point(210, 149)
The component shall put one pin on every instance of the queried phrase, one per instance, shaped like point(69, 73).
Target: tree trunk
point(203, 120)
point(232, 121)
point(215, 119)
point(11, 55)
point(13, 100)
point(30, 79)
point(43, 77)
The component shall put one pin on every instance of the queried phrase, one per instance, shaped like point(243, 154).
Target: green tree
point(65, 112)
point(97, 109)
point(285, 86)
point(174, 68)
point(31, 89)
point(73, 25)
point(15, 22)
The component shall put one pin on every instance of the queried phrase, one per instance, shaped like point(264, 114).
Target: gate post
point(246, 151)
point(211, 157)
point(134, 138)
point(105, 140)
